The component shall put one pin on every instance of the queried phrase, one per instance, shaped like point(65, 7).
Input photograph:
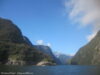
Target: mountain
point(45, 49)
point(63, 57)
point(89, 54)
point(16, 49)
point(48, 50)
point(9, 32)
point(27, 41)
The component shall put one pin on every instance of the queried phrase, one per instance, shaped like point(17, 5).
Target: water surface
point(49, 70)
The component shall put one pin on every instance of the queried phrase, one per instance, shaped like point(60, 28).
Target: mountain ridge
point(48, 50)
point(89, 54)
point(64, 58)
point(16, 49)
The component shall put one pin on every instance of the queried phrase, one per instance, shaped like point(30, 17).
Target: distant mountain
point(16, 49)
point(44, 49)
point(63, 57)
point(89, 54)
point(47, 50)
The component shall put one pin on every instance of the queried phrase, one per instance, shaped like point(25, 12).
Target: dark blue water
point(50, 70)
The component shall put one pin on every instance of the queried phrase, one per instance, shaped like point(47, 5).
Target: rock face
point(10, 32)
point(89, 54)
point(27, 41)
point(15, 49)
point(47, 50)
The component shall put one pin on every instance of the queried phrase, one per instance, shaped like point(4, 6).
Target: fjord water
point(50, 70)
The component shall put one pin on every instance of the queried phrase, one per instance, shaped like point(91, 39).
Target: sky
point(64, 25)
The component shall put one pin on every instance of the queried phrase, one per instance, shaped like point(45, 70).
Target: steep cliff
point(15, 49)
point(89, 54)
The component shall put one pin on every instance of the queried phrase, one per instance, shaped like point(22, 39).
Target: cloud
point(48, 44)
point(91, 36)
point(41, 42)
point(86, 12)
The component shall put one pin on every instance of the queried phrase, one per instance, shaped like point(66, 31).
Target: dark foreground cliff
point(15, 49)
point(89, 54)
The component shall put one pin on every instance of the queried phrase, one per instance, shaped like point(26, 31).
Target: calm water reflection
point(49, 70)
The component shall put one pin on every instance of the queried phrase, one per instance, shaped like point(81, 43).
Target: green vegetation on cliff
point(89, 54)
point(15, 49)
